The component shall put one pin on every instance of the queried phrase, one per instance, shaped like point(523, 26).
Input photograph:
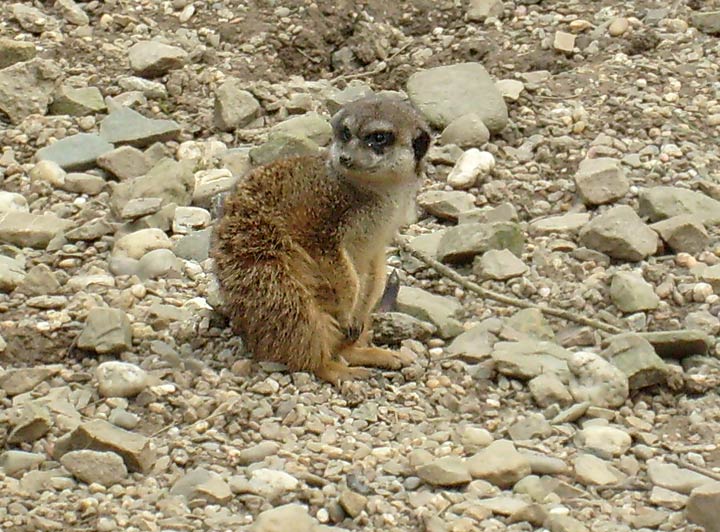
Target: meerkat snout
point(378, 139)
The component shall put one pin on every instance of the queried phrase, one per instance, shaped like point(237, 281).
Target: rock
point(25, 88)
point(393, 327)
point(12, 202)
point(503, 505)
point(125, 126)
point(567, 223)
point(14, 462)
point(72, 12)
point(564, 523)
point(511, 89)
point(77, 101)
point(683, 233)
point(618, 26)
point(120, 379)
point(637, 359)
point(124, 162)
point(631, 293)
point(32, 19)
point(472, 91)
point(564, 42)
point(470, 167)
point(194, 246)
point(505, 212)
point(474, 344)
point(92, 230)
point(151, 59)
point(601, 180)
point(462, 243)
point(210, 183)
point(170, 180)
point(527, 323)
point(446, 205)
point(527, 359)
point(679, 344)
point(104, 468)
point(427, 243)
point(49, 172)
point(711, 275)
point(659, 203)
point(547, 389)
point(672, 477)
point(13, 51)
point(703, 506)
point(353, 503)
point(310, 125)
point(137, 244)
point(99, 435)
point(21, 380)
point(595, 380)
point(474, 438)
point(702, 320)
point(159, 263)
point(284, 518)
point(139, 207)
point(189, 219)
point(269, 484)
point(234, 107)
point(479, 10)
point(32, 423)
point(75, 153)
point(468, 131)
point(12, 274)
point(530, 427)
point(499, 264)
point(30, 230)
point(282, 146)
point(707, 22)
point(499, 463)
point(621, 234)
point(545, 465)
point(202, 484)
point(82, 183)
point(603, 441)
point(447, 471)
point(257, 453)
point(438, 310)
point(106, 330)
point(667, 498)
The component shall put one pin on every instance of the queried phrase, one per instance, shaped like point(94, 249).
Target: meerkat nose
point(346, 161)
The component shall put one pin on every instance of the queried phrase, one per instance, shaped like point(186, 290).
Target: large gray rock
point(25, 88)
point(621, 234)
point(120, 379)
point(631, 293)
point(672, 477)
point(104, 468)
point(234, 106)
point(679, 344)
point(462, 243)
point(500, 464)
point(125, 126)
point(282, 146)
point(151, 58)
point(601, 180)
point(107, 330)
point(636, 358)
point(499, 264)
point(593, 471)
point(33, 20)
point(310, 125)
point(683, 233)
point(77, 152)
point(202, 484)
point(603, 440)
point(659, 203)
point(446, 471)
point(703, 507)
point(438, 310)
point(138, 243)
point(72, 12)
point(13, 51)
point(529, 358)
point(124, 162)
point(284, 518)
point(595, 380)
point(77, 101)
point(446, 205)
point(707, 22)
point(11, 274)
point(471, 90)
point(13, 202)
point(30, 230)
point(21, 380)
point(566, 223)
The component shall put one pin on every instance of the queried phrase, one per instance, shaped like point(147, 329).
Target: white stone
point(469, 167)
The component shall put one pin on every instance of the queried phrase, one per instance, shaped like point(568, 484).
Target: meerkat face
point(379, 140)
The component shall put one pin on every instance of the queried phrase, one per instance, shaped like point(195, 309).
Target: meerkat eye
point(380, 139)
point(345, 134)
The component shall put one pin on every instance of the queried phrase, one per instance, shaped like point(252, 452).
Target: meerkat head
point(379, 140)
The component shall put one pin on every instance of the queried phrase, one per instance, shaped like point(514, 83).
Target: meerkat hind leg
point(336, 372)
point(376, 357)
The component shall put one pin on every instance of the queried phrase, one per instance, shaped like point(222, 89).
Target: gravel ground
point(578, 169)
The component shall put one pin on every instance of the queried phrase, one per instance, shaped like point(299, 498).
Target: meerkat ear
point(336, 119)
point(420, 144)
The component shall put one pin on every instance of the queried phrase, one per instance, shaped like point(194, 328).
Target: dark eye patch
point(378, 140)
point(345, 134)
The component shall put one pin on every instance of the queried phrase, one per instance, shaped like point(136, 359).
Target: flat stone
point(310, 125)
point(77, 101)
point(472, 91)
point(499, 463)
point(603, 440)
point(282, 146)
point(427, 243)
point(98, 467)
point(667, 498)
point(527, 359)
point(499, 264)
point(548, 389)
point(194, 246)
point(595, 380)
point(202, 484)
point(683, 233)
point(22, 380)
point(353, 503)
point(89, 231)
point(462, 243)
point(106, 330)
point(660, 203)
point(234, 107)
point(446, 471)
point(393, 327)
point(40, 281)
point(636, 358)
point(530, 427)
point(32, 19)
point(679, 344)
point(135, 245)
point(32, 423)
point(30, 230)
point(703, 507)
point(257, 453)
point(601, 180)
point(438, 310)
point(139, 207)
point(564, 523)
point(479, 10)
point(168, 179)
point(672, 477)
point(14, 51)
point(124, 162)
point(711, 275)
point(12, 274)
point(474, 344)
point(504, 505)
point(83, 183)
point(511, 89)
point(26, 88)
point(75, 153)
point(468, 131)
point(621, 234)
point(564, 41)
point(293, 517)
point(120, 379)
point(100, 435)
point(153, 59)
point(269, 484)
point(566, 223)
point(189, 219)
point(545, 465)
point(707, 22)
point(527, 323)
point(72, 12)
point(446, 205)
point(505, 212)
point(631, 293)
point(125, 126)
point(14, 463)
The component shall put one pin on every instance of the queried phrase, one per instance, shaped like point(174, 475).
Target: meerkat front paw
point(377, 357)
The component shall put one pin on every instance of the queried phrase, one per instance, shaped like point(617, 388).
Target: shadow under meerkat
point(300, 248)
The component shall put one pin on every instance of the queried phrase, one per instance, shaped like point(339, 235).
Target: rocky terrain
point(575, 166)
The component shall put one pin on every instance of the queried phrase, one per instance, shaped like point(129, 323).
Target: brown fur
point(299, 254)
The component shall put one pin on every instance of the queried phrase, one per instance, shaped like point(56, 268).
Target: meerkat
point(299, 251)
